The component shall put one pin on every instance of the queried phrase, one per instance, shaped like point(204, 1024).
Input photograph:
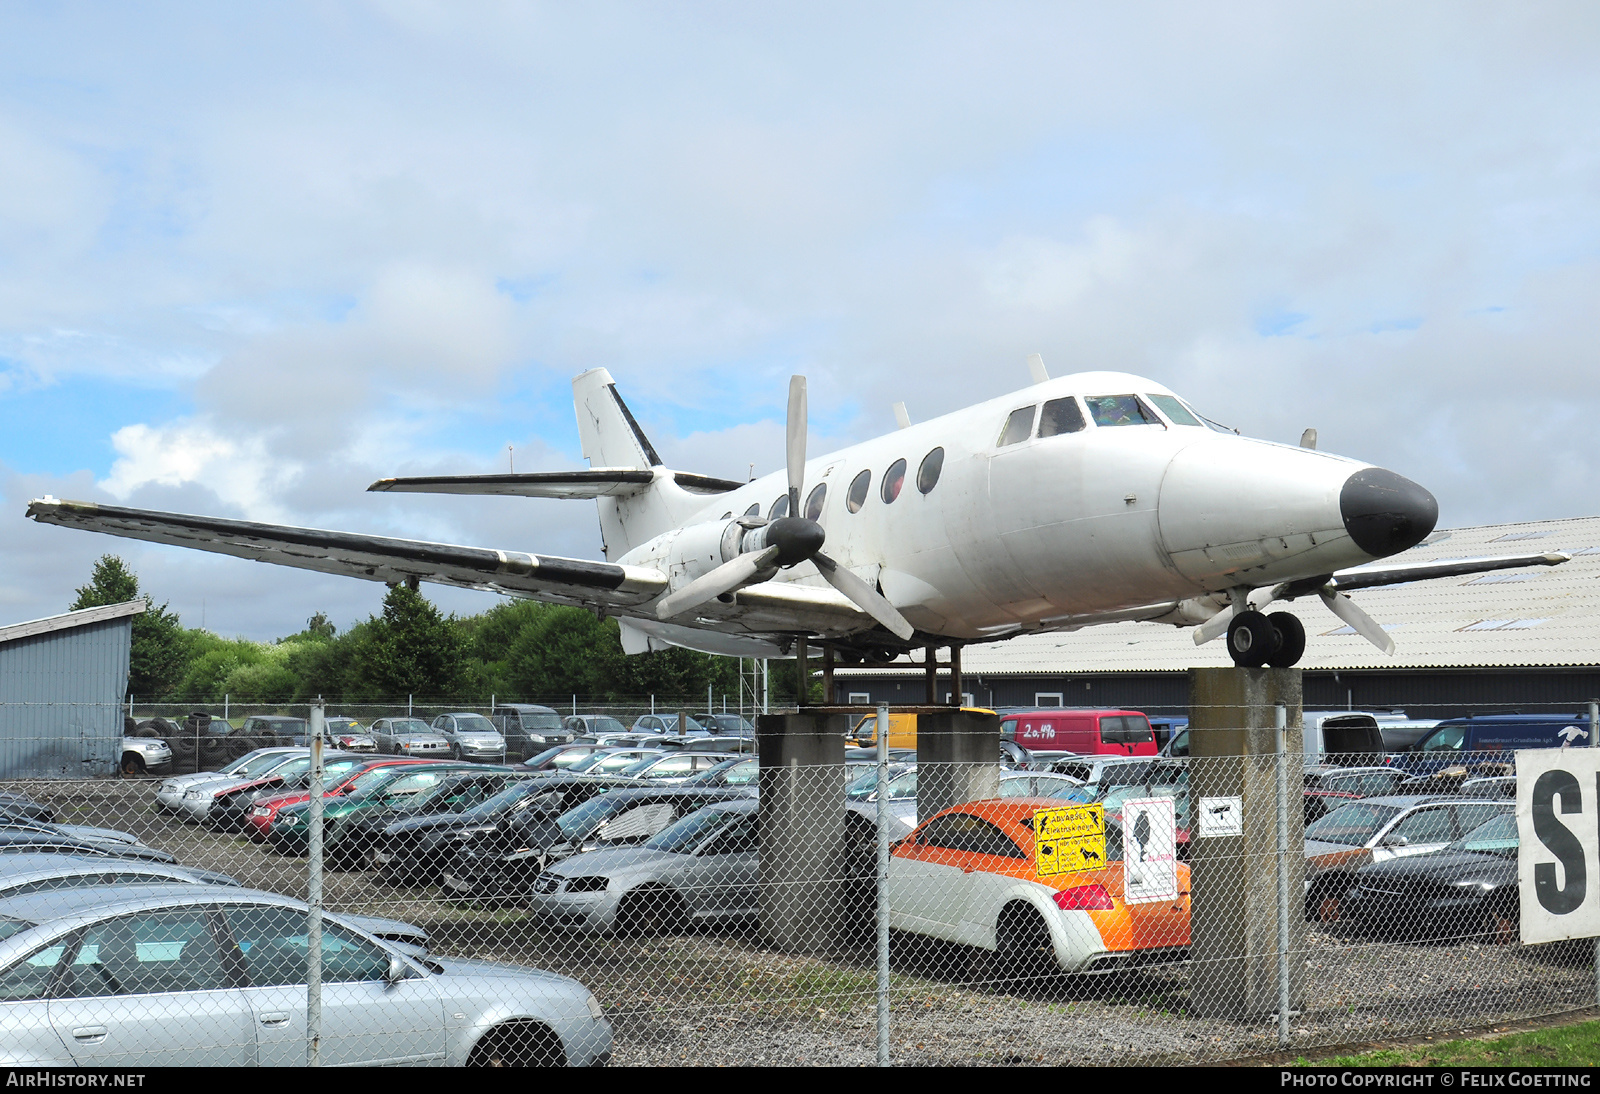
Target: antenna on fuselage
point(1308, 439)
point(902, 419)
point(1036, 368)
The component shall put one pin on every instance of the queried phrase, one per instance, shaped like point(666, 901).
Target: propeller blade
point(1213, 627)
point(708, 586)
point(1359, 621)
point(863, 596)
point(795, 451)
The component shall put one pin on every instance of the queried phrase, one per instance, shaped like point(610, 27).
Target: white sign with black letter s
point(1558, 833)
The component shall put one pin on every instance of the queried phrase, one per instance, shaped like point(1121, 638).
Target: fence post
point(1281, 724)
point(314, 896)
point(1594, 732)
point(882, 731)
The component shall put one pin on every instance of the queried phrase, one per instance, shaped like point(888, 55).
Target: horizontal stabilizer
point(601, 482)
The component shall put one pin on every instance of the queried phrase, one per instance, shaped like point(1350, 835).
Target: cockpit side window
point(1060, 416)
point(1019, 426)
point(1110, 410)
point(1176, 412)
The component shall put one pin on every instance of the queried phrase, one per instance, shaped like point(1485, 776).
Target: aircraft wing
point(1370, 577)
point(376, 558)
point(599, 482)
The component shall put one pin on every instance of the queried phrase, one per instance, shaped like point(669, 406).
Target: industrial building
point(62, 684)
point(1509, 640)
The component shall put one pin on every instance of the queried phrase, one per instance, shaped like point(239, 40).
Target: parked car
point(19, 805)
point(274, 730)
point(186, 975)
point(144, 755)
point(1327, 788)
point(21, 874)
point(1487, 744)
point(673, 768)
point(1342, 737)
point(472, 737)
point(702, 868)
point(611, 761)
point(727, 725)
point(589, 725)
point(338, 779)
point(667, 724)
point(1467, 889)
point(414, 849)
point(1102, 771)
point(561, 757)
point(737, 771)
point(1379, 829)
point(347, 734)
point(506, 860)
point(20, 842)
point(902, 729)
point(1085, 732)
point(725, 745)
point(967, 875)
point(529, 729)
point(409, 737)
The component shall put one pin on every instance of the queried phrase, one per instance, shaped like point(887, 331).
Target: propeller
point(1359, 621)
point(787, 541)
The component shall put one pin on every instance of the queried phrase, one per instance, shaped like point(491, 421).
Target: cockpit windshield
point(1109, 410)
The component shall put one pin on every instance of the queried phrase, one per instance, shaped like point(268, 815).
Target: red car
point(260, 819)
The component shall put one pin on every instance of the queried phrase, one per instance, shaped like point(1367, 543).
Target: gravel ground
point(722, 999)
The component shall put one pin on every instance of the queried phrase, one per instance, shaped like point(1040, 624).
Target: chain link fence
point(1085, 909)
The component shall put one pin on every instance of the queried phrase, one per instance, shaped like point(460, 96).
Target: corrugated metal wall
point(61, 701)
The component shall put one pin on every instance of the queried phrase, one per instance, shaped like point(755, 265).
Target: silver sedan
point(704, 867)
point(189, 975)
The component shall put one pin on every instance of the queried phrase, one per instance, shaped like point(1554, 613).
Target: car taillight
point(1085, 898)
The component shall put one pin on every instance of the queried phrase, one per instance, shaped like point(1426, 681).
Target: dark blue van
point(1488, 739)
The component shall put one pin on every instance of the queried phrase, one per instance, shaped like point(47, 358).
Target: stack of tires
point(170, 732)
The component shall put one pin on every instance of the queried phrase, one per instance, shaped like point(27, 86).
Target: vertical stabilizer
point(606, 427)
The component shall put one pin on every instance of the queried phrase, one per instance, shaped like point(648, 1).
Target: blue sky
point(253, 257)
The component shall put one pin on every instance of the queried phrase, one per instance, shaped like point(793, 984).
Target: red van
point(1087, 732)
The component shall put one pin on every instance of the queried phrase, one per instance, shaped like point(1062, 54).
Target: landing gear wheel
point(1291, 639)
point(1251, 640)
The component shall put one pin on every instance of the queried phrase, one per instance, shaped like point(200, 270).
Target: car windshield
point(609, 765)
point(1495, 837)
point(578, 822)
point(344, 725)
point(862, 786)
point(685, 835)
point(409, 725)
point(1353, 825)
point(541, 721)
point(369, 781)
point(503, 801)
point(254, 765)
point(474, 723)
point(1444, 739)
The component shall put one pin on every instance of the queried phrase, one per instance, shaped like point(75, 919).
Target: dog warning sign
point(1069, 839)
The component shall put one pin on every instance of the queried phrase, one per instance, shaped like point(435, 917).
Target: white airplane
point(1089, 498)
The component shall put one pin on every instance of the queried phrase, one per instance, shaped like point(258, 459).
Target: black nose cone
point(1386, 513)
point(796, 539)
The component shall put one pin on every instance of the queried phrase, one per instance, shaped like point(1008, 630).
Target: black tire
point(132, 765)
point(521, 1044)
point(145, 729)
point(650, 913)
point(236, 746)
point(1291, 639)
point(1022, 943)
point(129, 726)
point(1251, 640)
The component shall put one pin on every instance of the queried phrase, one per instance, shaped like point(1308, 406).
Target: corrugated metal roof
point(1538, 617)
point(80, 618)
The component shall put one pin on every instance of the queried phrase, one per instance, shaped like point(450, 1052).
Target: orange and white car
point(967, 875)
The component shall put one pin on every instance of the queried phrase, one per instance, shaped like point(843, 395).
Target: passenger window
point(893, 480)
point(928, 472)
point(1019, 427)
point(814, 501)
point(1060, 416)
point(1176, 412)
point(1109, 410)
point(160, 951)
point(780, 508)
point(754, 510)
point(857, 497)
point(963, 832)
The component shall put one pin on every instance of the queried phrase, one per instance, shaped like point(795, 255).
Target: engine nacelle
point(684, 554)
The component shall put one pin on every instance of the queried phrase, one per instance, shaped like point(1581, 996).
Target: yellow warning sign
point(1069, 839)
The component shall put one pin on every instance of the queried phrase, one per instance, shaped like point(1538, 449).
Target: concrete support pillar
point(801, 824)
point(1234, 879)
point(958, 759)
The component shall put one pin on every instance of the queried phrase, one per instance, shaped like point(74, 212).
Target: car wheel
point(132, 765)
point(650, 913)
point(1022, 943)
point(523, 1044)
point(1500, 927)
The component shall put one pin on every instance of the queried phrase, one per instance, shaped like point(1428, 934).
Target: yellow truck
point(902, 729)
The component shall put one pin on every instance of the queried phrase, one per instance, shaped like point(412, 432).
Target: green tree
point(157, 660)
point(410, 649)
point(321, 626)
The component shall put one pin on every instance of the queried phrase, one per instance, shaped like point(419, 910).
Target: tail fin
point(611, 438)
point(606, 427)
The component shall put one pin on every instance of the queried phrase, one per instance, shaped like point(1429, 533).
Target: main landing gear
point(1256, 639)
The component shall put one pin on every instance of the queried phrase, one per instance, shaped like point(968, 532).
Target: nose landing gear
point(1255, 639)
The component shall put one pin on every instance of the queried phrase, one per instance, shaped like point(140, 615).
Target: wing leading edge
point(374, 558)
